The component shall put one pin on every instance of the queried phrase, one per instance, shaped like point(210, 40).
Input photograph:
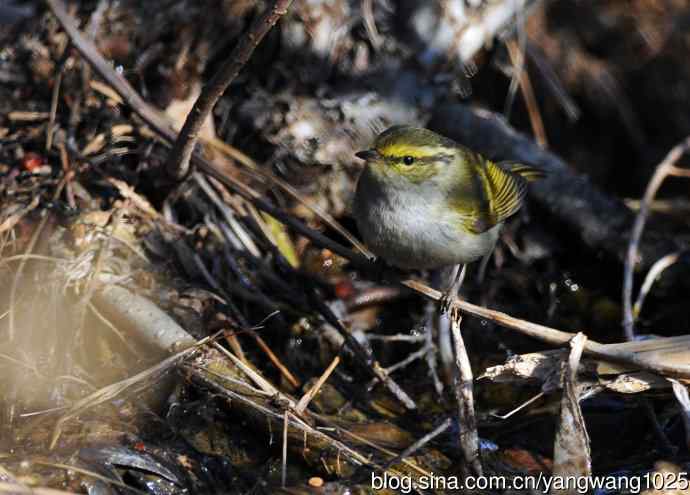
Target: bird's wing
point(505, 190)
point(494, 193)
point(501, 192)
point(527, 172)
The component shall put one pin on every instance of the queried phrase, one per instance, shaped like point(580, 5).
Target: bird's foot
point(446, 306)
point(446, 302)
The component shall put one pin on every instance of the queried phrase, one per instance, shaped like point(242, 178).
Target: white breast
point(412, 230)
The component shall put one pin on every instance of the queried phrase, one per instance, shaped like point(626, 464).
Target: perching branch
point(178, 166)
point(557, 337)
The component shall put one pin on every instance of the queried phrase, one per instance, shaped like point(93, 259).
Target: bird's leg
point(483, 265)
point(456, 279)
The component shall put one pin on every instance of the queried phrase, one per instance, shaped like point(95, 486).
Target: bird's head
point(411, 153)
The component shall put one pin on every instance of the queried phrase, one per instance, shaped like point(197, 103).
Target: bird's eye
point(408, 160)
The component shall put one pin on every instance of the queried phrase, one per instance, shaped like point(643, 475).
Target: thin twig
point(262, 173)
point(553, 336)
point(410, 359)
point(306, 398)
point(664, 169)
point(109, 325)
point(519, 408)
point(284, 370)
point(274, 405)
point(103, 68)
point(362, 354)
point(438, 324)
point(55, 98)
point(362, 439)
point(255, 376)
point(419, 443)
point(467, 420)
point(229, 216)
point(553, 82)
point(370, 24)
point(178, 166)
point(572, 451)
point(86, 472)
point(289, 376)
point(91, 285)
point(654, 272)
point(681, 393)
point(517, 57)
point(283, 467)
point(114, 390)
point(299, 425)
point(422, 352)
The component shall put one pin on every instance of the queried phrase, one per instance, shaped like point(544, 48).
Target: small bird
point(424, 201)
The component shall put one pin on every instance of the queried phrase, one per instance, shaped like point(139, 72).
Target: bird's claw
point(446, 303)
point(446, 306)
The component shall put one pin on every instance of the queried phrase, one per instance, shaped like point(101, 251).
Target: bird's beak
point(367, 154)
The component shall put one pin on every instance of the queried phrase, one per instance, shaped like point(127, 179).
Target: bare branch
point(467, 419)
point(181, 153)
point(664, 169)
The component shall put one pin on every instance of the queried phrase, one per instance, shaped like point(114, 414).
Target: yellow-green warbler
point(424, 201)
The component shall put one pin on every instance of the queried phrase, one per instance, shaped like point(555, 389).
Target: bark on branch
point(181, 153)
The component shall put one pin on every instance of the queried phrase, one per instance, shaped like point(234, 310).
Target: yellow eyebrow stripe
point(400, 150)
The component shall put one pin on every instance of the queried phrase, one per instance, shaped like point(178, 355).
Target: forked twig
point(306, 398)
point(664, 169)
